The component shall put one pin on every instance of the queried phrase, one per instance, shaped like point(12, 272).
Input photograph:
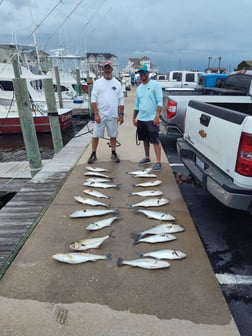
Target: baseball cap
point(143, 67)
point(107, 63)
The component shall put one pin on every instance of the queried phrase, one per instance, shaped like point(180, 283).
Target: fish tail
point(136, 241)
point(111, 234)
point(118, 186)
point(130, 194)
point(116, 210)
point(134, 185)
point(120, 261)
point(140, 254)
point(109, 256)
point(136, 235)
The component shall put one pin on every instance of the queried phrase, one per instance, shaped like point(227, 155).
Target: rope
point(91, 131)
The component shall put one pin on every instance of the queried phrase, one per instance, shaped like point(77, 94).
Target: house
point(92, 63)
point(134, 63)
point(244, 65)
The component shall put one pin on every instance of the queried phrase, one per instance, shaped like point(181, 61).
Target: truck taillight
point(171, 108)
point(244, 156)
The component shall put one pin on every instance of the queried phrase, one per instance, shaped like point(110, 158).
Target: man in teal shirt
point(147, 109)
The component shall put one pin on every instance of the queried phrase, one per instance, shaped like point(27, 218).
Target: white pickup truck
point(179, 79)
point(216, 148)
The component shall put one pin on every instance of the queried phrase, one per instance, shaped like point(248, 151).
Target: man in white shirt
point(107, 101)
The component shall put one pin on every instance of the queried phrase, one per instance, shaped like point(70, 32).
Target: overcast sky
point(174, 34)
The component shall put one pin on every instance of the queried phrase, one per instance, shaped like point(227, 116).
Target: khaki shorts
point(111, 126)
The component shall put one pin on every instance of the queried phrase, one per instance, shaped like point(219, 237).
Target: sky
point(174, 34)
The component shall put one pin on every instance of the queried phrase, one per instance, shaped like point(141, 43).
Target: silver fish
point(97, 179)
point(163, 254)
point(92, 212)
point(151, 202)
point(79, 257)
point(96, 174)
point(90, 201)
point(137, 172)
point(101, 185)
point(147, 193)
point(90, 243)
point(148, 263)
point(101, 223)
point(156, 238)
point(156, 214)
point(159, 229)
point(95, 193)
point(148, 184)
point(97, 169)
point(145, 175)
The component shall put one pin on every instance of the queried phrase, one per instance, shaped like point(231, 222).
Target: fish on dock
point(90, 243)
point(147, 263)
point(148, 184)
point(156, 214)
point(159, 229)
point(97, 179)
point(151, 202)
point(90, 201)
point(147, 193)
point(97, 169)
point(92, 212)
point(101, 223)
point(101, 185)
point(97, 174)
point(137, 172)
point(145, 175)
point(163, 254)
point(155, 238)
point(95, 193)
point(79, 257)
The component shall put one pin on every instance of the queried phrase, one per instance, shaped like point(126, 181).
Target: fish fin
point(120, 261)
point(109, 256)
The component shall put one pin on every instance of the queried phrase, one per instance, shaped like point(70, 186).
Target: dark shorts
point(148, 132)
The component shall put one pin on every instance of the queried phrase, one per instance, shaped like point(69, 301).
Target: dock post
point(80, 91)
point(53, 115)
point(26, 122)
point(57, 76)
point(90, 87)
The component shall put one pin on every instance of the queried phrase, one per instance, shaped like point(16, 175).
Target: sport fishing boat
point(9, 117)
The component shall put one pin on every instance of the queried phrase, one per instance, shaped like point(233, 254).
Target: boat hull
point(11, 124)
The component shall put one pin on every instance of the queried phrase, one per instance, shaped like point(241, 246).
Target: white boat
point(9, 117)
point(35, 88)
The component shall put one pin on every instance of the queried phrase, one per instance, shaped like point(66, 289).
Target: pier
point(40, 296)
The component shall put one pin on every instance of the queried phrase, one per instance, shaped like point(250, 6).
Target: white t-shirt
point(108, 95)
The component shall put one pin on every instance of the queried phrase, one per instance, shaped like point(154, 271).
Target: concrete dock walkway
point(40, 296)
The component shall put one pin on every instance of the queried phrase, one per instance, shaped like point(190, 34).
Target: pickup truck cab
point(216, 148)
point(179, 79)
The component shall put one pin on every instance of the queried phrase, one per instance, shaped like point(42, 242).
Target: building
point(134, 63)
point(92, 63)
point(29, 56)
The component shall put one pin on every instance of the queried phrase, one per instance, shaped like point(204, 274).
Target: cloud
point(172, 33)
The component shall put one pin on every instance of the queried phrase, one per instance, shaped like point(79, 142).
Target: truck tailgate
point(206, 129)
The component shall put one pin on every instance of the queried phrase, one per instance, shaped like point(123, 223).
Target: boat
point(35, 88)
point(10, 122)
